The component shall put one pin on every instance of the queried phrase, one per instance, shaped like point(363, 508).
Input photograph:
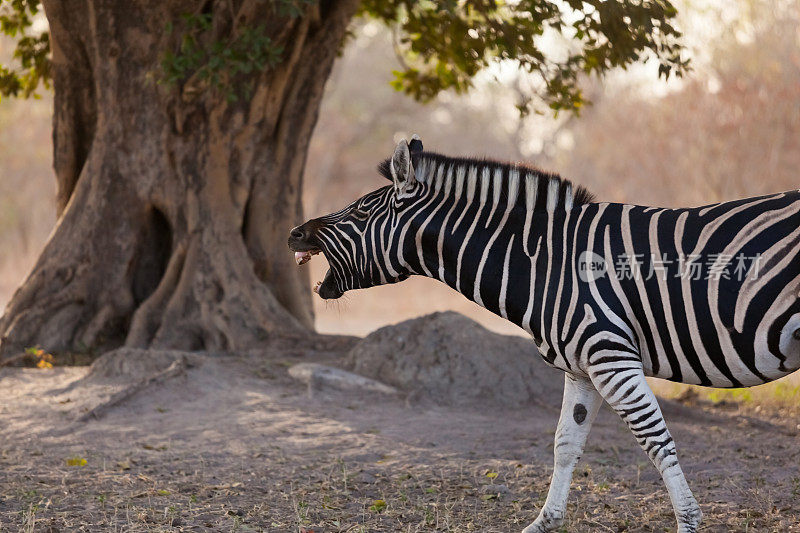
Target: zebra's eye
point(360, 215)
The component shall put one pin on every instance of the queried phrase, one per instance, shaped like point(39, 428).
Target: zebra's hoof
point(689, 520)
point(545, 522)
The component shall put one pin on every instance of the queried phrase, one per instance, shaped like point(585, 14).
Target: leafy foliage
point(42, 358)
point(445, 44)
point(219, 62)
point(32, 52)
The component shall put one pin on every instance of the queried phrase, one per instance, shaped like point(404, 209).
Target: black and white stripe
point(515, 240)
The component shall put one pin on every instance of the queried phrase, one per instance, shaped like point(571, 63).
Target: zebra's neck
point(484, 228)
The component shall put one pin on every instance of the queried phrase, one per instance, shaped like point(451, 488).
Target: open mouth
point(301, 258)
point(326, 289)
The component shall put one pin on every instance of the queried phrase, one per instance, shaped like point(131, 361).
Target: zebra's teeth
point(301, 258)
point(316, 286)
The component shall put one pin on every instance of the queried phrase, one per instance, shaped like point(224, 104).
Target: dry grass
point(165, 490)
point(779, 398)
point(195, 454)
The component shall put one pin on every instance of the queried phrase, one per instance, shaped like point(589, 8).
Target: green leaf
point(227, 65)
point(32, 52)
point(444, 45)
point(377, 506)
point(76, 461)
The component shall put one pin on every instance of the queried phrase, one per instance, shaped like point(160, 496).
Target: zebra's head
point(360, 241)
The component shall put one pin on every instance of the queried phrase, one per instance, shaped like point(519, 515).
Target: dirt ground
point(232, 443)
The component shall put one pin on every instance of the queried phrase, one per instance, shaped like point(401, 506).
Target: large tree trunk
point(174, 202)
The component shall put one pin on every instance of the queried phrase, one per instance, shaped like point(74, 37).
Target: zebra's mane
point(540, 189)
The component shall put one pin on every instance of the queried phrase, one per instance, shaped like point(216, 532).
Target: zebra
point(543, 254)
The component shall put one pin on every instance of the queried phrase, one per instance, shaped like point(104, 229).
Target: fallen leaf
point(377, 506)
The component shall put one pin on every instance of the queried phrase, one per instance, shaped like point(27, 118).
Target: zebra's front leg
point(620, 380)
point(578, 410)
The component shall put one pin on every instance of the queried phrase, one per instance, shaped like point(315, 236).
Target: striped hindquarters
point(706, 295)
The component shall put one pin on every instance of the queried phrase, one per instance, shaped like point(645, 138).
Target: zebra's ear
point(415, 146)
point(400, 166)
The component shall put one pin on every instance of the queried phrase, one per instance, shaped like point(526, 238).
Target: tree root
point(178, 367)
point(148, 315)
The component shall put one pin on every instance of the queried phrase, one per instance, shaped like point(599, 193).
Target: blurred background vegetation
point(729, 129)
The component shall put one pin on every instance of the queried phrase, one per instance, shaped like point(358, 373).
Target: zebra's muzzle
point(301, 243)
point(303, 252)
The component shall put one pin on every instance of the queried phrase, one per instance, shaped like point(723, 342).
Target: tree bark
point(174, 202)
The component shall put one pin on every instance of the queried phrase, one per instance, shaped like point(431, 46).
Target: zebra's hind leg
point(578, 410)
point(619, 378)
